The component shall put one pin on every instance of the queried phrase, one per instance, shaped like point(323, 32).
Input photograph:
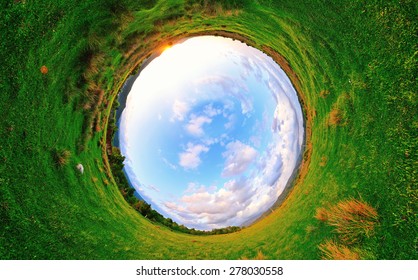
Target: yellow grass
point(334, 251)
point(321, 214)
point(335, 117)
point(352, 219)
point(61, 157)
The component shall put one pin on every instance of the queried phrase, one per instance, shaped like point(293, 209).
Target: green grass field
point(357, 64)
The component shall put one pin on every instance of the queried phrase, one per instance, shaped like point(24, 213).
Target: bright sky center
point(212, 132)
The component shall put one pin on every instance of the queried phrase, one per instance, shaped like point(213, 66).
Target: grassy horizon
point(64, 61)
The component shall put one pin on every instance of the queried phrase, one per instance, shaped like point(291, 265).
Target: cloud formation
point(238, 157)
point(223, 86)
point(211, 111)
point(180, 110)
point(190, 158)
point(236, 202)
point(195, 125)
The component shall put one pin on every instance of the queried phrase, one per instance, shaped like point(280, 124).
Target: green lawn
point(357, 57)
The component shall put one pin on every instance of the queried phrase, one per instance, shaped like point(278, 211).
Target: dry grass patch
point(61, 157)
point(341, 110)
point(335, 117)
point(334, 251)
point(321, 214)
point(353, 219)
point(260, 256)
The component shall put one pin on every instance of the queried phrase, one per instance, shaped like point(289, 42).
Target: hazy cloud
point(194, 187)
point(231, 121)
point(238, 157)
point(190, 159)
point(169, 164)
point(195, 125)
point(180, 110)
point(230, 86)
point(211, 111)
point(153, 187)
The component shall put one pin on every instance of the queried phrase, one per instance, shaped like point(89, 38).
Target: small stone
point(80, 168)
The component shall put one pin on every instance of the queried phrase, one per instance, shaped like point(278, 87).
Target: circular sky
point(212, 132)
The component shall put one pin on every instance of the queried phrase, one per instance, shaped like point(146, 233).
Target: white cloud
point(238, 157)
point(233, 204)
point(180, 110)
point(195, 125)
point(210, 141)
point(211, 111)
point(272, 165)
point(190, 159)
point(229, 86)
point(232, 119)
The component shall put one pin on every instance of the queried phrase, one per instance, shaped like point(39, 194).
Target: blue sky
point(211, 132)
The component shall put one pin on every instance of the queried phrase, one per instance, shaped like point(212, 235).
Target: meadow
point(354, 64)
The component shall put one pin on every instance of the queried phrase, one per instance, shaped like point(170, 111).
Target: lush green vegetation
point(356, 62)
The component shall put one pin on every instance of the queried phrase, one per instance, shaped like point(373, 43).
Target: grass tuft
point(353, 219)
point(321, 214)
point(61, 157)
point(260, 256)
point(333, 251)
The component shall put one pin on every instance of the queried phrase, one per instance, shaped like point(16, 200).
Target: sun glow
point(190, 56)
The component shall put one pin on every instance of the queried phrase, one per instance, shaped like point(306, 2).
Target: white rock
point(80, 168)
